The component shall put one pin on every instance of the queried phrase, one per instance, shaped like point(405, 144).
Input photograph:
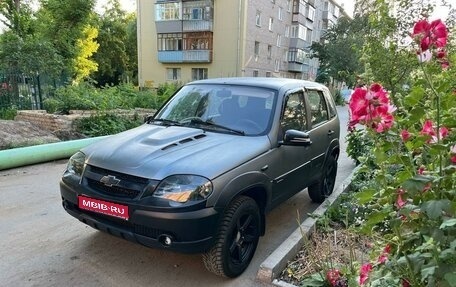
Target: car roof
point(272, 83)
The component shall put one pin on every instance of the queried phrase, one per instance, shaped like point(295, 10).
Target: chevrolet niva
point(200, 175)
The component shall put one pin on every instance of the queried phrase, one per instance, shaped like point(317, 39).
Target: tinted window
point(318, 107)
point(294, 116)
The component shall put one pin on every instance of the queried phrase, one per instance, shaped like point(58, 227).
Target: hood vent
point(184, 141)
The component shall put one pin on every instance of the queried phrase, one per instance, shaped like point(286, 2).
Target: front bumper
point(190, 232)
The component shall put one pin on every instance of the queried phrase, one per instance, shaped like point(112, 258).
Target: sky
point(127, 5)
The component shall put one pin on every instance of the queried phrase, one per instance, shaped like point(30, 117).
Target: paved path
point(41, 245)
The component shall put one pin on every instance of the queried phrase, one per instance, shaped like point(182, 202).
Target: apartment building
point(186, 40)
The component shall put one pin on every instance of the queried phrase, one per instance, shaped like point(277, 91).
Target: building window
point(168, 11)
point(258, 18)
point(169, 42)
point(289, 5)
point(271, 23)
point(268, 74)
point(279, 40)
point(269, 51)
point(199, 74)
point(196, 10)
point(309, 35)
point(277, 65)
point(298, 31)
point(280, 14)
point(310, 12)
point(256, 49)
point(296, 56)
point(287, 31)
point(198, 41)
point(255, 73)
point(173, 74)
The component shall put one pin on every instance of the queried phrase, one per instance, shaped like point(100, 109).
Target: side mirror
point(296, 138)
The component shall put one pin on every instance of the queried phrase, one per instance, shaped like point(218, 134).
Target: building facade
point(186, 40)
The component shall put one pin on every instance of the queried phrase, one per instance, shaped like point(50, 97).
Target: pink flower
point(400, 202)
point(333, 275)
point(430, 34)
point(384, 256)
point(443, 131)
point(453, 159)
point(428, 128)
point(405, 135)
point(405, 283)
point(364, 273)
point(372, 108)
point(421, 170)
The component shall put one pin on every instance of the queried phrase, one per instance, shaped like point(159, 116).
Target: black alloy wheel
point(320, 190)
point(237, 239)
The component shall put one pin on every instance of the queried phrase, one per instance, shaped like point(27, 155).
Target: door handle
point(330, 132)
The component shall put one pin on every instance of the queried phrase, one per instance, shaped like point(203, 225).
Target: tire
point(237, 239)
point(320, 190)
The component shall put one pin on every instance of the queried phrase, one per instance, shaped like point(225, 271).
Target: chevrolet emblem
point(110, 180)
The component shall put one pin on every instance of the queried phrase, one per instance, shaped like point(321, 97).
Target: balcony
point(187, 56)
point(299, 43)
point(196, 25)
point(170, 56)
point(197, 56)
point(297, 67)
point(173, 26)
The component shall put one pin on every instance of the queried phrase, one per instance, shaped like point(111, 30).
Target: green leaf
point(417, 183)
point(448, 223)
point(415, 96)
point(426, 272)
point(434, 208)
point(365, 196)
point(315, 280)
point(416, 114)
point(451, 279)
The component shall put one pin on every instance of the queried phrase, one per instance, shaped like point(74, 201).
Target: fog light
point(166, 240)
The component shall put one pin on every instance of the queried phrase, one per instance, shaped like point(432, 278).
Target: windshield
point(244, 109)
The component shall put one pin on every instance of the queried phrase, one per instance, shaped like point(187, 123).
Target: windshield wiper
point(165, 121)
point(212, 124)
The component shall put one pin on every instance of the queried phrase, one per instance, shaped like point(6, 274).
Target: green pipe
point(42, 153)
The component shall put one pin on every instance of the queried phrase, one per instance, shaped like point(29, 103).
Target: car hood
point(157, 151)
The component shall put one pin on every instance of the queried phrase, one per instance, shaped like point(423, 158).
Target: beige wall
point(227, 45)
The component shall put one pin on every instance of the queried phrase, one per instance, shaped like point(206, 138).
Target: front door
point(289, 175)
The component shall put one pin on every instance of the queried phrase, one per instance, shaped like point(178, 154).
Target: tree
point(62, 23)
point(116, 56)
point(86, 47)
point(339, 52)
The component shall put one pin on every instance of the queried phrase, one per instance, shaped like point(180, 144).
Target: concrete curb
point(277, 261)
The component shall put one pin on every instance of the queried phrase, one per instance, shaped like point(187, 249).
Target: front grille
point(113, 190)
point(125, 185)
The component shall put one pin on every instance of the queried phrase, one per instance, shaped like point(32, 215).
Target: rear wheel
point(320, 190)
point(237, 239)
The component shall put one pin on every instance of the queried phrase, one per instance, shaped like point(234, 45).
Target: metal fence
point(24, 92)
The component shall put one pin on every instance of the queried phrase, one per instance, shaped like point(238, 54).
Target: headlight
point(182, 188)
point(76, 163)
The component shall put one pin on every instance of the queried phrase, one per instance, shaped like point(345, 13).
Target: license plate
point(104, 207)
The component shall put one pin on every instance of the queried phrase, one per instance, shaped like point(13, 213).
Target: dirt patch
point(325, 250)
point(19, 134)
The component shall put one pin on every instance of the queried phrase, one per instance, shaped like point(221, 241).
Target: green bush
point(105, 124)
point(8, 113)
point(86, 97)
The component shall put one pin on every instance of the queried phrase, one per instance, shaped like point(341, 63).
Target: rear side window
point(318, 107)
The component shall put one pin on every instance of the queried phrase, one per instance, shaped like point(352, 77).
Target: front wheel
point(320, 190)
point(237, 239)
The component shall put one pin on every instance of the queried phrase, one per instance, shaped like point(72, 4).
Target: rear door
point(322, 131)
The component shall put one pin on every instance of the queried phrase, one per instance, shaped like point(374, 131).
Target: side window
point(294, 115)
point(318, 107)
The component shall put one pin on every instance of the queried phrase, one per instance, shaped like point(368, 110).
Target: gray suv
point(200, 175)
